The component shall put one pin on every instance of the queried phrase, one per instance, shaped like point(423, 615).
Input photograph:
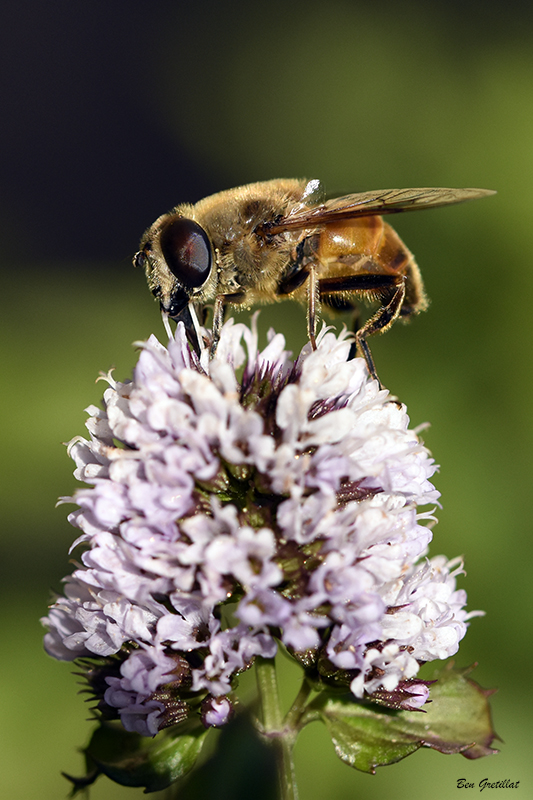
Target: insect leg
point(200, 344)
point(218, 321)
point(313, 305)
point(391, 289)
point(382, 319)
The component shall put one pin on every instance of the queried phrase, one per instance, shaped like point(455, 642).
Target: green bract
point(134, 760)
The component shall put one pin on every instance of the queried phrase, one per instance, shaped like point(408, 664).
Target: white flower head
point(247, 500)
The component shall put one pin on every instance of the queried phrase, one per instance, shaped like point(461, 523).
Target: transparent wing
point(378, 202)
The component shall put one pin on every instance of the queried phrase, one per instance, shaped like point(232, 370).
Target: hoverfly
point(279, 239)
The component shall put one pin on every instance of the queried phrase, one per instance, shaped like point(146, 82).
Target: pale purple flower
point(409, 695)
point(247, 499)
point(216, 711)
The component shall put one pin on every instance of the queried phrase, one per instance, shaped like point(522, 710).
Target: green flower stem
point(296, 711)
point(274, 729)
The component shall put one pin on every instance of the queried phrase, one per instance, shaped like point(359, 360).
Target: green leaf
point(365, 736)
point(458, 720)
point(133, 760)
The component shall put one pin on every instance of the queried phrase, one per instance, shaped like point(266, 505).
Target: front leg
point(218, 321)
point(222, 301)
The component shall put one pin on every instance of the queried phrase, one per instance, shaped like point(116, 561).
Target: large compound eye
point(187, 251)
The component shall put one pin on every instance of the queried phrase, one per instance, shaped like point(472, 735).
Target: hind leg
point(391, 292)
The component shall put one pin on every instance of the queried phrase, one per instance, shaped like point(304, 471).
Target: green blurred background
point(114, 112)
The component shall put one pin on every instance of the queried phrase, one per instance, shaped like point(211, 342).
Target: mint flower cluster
point(241, 501)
